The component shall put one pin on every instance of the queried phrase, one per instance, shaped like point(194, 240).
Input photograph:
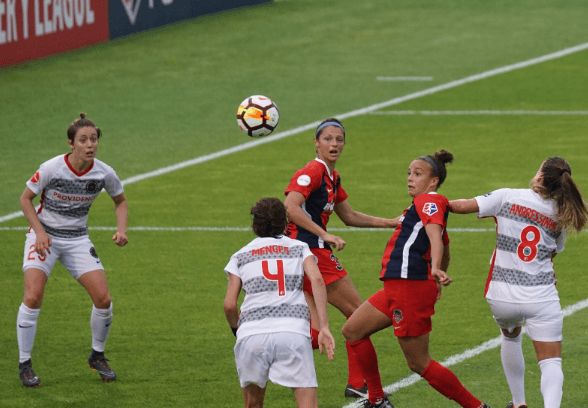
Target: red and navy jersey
point(322, 191)
point(408, 253)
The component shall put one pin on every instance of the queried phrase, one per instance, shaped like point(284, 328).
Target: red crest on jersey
point(430, 208)
point(35, 178)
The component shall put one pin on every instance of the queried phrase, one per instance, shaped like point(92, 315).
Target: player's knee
point(33, 300)
point(512, 334)
point(416, 366)
point(349, 334)
point(103, 301)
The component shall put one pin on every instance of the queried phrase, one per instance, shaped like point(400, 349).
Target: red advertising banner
point(35, 28)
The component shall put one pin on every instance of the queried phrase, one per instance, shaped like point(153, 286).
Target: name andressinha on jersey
point(271, 249)
point(533, 215)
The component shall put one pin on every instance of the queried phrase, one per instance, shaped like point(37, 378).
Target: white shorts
point(283, 357)
point(76, 254)
point(543, 320)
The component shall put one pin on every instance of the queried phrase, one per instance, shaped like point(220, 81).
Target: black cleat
point(385, 403)
point(484, 406)
point(99, 363)
point(351, 392)
point(511, 405)
point(27, 375)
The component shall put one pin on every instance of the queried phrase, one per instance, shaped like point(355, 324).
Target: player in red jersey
point(413, 270)
point(313, 194)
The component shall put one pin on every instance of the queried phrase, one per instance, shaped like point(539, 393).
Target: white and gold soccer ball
point(258, 116)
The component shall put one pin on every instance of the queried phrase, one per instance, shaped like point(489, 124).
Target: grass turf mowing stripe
point(467, 354)
point(363, 111)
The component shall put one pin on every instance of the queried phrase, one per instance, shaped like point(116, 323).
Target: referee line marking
point(481, 112)
point(467, 354)
point(358, 112)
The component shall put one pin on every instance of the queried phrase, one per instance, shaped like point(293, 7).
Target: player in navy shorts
point(413, 270)
point(314, 192)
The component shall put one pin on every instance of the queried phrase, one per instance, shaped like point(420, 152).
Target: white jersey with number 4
point(271, 273)
point(67, 194)
point(521, 268)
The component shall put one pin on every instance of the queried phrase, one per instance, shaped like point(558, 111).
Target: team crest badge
point(93, 253)
point(35, 178)
point(91, 187)
point(430, 208)
point(303, 180)
point(398, 316)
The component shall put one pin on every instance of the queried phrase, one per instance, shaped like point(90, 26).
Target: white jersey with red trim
point(66, 195)
point(521, 268)
point(271, 273)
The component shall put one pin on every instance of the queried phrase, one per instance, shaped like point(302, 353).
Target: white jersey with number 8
point(521, 268)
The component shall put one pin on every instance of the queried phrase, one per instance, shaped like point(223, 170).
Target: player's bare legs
point(306, 397)
point(253, 395)
point(364, 322)
point(34, 287)
point(343, 295)
point(97, 287)
point(416, 352)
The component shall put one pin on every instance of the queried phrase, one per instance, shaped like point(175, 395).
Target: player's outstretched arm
point(463, 206)
point(325, 338)
point(230, 304)
point(43, 240)
point(121, 210)
point(296, 214)
point(357, 219)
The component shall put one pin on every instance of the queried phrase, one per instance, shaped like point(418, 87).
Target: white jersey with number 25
point(527, 236)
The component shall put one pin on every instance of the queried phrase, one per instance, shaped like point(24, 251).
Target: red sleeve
point(431, 208)
point(306, 180)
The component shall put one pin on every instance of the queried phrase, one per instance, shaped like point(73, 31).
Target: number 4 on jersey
point(279, 276)
point(527, 250)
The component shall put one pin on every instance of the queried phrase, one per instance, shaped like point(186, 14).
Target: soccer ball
point(258, 116)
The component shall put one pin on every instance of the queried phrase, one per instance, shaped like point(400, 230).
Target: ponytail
point(558, 185)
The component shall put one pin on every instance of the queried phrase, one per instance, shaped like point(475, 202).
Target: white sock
point(26, 327)
point(551, 382)
point(513, 363)
point(100, 324)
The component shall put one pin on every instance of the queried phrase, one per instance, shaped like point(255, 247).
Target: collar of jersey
point(326, 167)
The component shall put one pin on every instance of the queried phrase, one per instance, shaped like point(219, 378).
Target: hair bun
point(444, 156)
point(82, 115)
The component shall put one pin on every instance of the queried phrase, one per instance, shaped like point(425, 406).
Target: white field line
point(358, 112)
point(243, 229)
point(467, 354)
point(480, 112)
point(403, 78)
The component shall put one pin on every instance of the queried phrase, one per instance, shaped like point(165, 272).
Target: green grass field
point(170, 95)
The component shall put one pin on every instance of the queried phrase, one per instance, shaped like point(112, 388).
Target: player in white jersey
point(531, 226)
point(273, 328)
point(68, 185)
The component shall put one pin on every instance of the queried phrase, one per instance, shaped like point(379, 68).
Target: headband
point(324, 125)
point(432, 163)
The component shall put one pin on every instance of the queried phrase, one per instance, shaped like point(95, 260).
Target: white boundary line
point(358, 112)
point(481, 112)
point(404, 78)
point(467, 354)
point(244, 229)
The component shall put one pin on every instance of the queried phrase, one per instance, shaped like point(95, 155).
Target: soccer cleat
point(27, 375)
point(511, 405)
point(351, 392)
point(99, 363)
point(484, 406)
point(385, 403)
